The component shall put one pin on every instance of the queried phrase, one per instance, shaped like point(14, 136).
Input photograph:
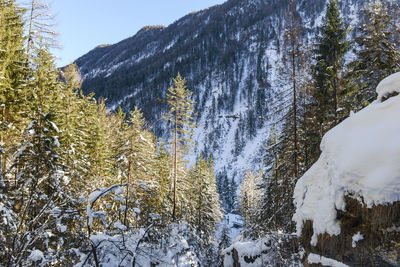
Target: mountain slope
point(230, 55)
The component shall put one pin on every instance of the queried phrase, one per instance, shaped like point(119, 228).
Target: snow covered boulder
point(275, 249)
point(388, 87)
point(354, 187)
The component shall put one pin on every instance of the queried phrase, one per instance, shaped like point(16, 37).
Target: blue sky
point(84, 24)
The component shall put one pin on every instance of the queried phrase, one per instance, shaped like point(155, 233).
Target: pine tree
point(180, 114)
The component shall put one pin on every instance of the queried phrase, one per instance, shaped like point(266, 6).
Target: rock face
point(348, 203)
point(379, 227)
point(230, 55)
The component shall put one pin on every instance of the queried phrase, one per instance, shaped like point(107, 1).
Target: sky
point(84, 24)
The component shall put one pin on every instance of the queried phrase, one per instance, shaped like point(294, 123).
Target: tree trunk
point(296, 161)
point(175, 159)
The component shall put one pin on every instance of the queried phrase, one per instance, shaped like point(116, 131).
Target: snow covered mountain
point(230, 55)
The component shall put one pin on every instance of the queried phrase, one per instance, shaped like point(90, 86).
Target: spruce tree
point(271, 199)
point(71, 121)
point(139, 170)
point(330, 48)
point(13, 81)
point(206, 210)
point(40, 182)
point(378, 55)
point(99, 154)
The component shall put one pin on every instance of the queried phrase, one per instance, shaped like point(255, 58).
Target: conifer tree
point(271, 199)
point(309, 128)
point(180, 115)
point(378, 56)
point(206, 211)
point(99, 154)
point(226, 192)
point(293, 60)
point(139, 173)
point(250, 195)
point(164, 165)
point(232, 195)
point(74, 129)
point(330, 48)
point(39, 177)
point(13, 81)
point(39, 26)
point(224, 239)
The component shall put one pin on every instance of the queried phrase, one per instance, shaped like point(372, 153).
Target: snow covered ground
point(360, 157)
point(234, 223)
point(263, 252)
point(133, 249)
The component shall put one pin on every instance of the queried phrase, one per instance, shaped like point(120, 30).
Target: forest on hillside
point(81, 185)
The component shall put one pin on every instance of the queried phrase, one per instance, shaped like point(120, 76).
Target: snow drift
point(360, 158)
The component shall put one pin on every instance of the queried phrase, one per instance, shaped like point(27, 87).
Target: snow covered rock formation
point(354, 187)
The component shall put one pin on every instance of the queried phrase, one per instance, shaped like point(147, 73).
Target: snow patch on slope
point(360, 156)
